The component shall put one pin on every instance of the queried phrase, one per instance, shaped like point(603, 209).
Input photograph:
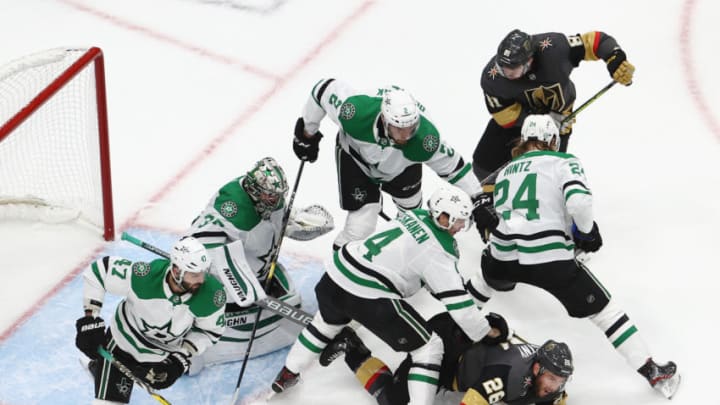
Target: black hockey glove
point(90, 335)
point(484, 215)
point(163, 374)
point(498, 322)
point(306, 148)
point(587, 242)
point(620, 69)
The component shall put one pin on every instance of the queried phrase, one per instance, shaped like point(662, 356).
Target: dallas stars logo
point(219, 298)
point(347, 111)
point(545, 43)
point(455, 199)
point(123, 387)
point(228, 209)
point(431, 143)
point(160, 333)
point(141, 269)
point(359, 195)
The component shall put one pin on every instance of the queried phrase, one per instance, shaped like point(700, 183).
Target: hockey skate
point(344, 342)
point(663, 378)
point(284, 380)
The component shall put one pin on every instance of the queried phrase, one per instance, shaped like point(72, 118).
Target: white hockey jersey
point(397, 262)
point(537, 197)
point(357, 115)
point(152, 321)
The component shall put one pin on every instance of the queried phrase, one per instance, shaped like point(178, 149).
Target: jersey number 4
point(375, 243)
point(525, 197)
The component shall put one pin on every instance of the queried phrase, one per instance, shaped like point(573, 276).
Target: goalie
point(241, 228)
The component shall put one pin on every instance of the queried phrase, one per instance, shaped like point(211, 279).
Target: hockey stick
point(588, 102)
point(286, 218)
point(272, 304)
point(128, 373)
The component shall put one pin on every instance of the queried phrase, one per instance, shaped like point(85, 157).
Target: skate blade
point(669, 387)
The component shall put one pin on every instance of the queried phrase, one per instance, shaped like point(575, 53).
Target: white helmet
point(399, 108)
point(266, 185)
point(189, 255)
point(453, 202)
point(541, 128)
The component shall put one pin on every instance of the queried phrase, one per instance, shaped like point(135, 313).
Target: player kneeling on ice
point(173, 311)
point(472, 373)
point(544, 208)
point(368, 281)
point(241, 227)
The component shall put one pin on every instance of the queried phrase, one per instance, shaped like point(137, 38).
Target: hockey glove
point(484, 215)
point(306, 148)
point(496, 321)
point(163, 374)
point(90, 335)
point(620, 69)
point(587, 242)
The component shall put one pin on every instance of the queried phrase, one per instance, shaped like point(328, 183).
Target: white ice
point(198, 90)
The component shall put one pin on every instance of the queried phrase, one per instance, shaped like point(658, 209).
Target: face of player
point(547, 383)
point(516, 72)
point(270, 199)
point(456, 227)
point(192, 282)
point(401, 136)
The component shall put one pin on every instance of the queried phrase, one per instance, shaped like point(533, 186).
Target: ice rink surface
point(198, 90)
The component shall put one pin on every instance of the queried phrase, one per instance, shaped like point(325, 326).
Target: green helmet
point(266, 185)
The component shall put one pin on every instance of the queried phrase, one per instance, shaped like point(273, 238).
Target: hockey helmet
point(515, 49)
point(266, 185)
point(455, 203)
point(190, 256)
point(399, 109)
point(555, 357)
point(541, 128)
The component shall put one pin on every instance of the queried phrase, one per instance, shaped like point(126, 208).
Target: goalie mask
point(190, 256)
point(454, 203)
point(541, 128)
point(399, 110)
point(266, 185)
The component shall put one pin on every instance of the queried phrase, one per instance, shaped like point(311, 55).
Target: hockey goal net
point(54, 151)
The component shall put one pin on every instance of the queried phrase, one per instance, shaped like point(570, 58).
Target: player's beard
point(191, 288)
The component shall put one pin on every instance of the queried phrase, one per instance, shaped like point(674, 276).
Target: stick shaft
point(286, 218)
point(588, 102)
point(272, 304)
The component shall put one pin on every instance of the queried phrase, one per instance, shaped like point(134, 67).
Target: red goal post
point(54, 149)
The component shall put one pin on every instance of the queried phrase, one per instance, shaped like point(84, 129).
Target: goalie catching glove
point(309, 223)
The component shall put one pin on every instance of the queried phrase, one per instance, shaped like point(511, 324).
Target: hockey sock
point(373, 374)
point(622, 334)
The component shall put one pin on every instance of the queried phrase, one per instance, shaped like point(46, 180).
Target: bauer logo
point(140, 269)
point(347, 111)
point(431, 143)
point(228, 209)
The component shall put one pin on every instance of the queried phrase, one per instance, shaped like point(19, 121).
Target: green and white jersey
point(360, 134)
point(231, 216)
point(537, 196)
point(152, 321)
point(397, 262)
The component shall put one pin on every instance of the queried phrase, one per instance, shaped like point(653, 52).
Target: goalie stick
point(286, 218)
point(272, 304)
point(129, 374)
